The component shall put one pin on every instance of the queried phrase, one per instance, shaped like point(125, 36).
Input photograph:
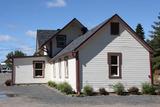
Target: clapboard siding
point(72, 72)
point(24, 70)
point(94, 65)
point(72, 32)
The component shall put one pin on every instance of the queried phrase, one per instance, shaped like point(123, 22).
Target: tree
point(140, 31)
point(155, 43)
point(12, 54)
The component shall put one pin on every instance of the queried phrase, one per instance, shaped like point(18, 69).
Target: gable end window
point(38, 69)
point(114, 64)
point(114, 28)
point(61, 41)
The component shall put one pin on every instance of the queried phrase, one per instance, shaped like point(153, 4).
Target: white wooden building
point(109, 53)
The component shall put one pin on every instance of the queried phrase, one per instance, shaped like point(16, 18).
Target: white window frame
point(54, 70)
point(34, 69)
point(66, 67)
point(59, 68)
point(117, 65)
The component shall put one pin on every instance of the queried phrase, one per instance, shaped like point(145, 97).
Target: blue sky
point(20, 19)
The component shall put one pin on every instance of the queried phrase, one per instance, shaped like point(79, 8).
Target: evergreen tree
point(140, 31)
point(155, 43)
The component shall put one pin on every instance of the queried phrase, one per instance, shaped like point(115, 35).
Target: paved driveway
point(42, 96)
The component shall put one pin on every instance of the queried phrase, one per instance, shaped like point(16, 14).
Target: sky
point(19, 19)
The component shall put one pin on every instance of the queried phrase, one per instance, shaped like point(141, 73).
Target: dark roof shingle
point(75, 43)
point(44, 35)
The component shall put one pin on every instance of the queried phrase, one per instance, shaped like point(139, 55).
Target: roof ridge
point(82, 37)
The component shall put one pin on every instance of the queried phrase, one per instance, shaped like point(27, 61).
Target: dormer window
point(61, 41)
point(114, 28)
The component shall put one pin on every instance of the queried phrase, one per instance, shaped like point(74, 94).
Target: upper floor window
point(38, 68)
point(61, 41)
point(50, 52)
point(114, 62)
point(114, 28)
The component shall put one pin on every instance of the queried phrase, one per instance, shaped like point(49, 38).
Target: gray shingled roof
point(75, 43)
point(44, 35)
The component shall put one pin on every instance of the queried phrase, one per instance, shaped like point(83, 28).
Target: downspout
point(77, 73)
point(151, 73)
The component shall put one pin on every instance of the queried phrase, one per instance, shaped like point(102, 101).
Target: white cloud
point(4, 38)
point(56, 3)
point(31, 33)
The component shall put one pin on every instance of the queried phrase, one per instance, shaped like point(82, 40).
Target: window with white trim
point(66, 67)
point(59, 65)
point(114, 61)
point(38, 67)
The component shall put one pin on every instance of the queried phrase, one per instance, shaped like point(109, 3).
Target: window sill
point(38, 76)
point(66, 77)
point(115, 77)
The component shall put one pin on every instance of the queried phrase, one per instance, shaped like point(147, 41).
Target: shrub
point(133, 90)
point(157, 90)
point(59, 86)
point(102, 91)
point(8, 82)
point(65, 88)
point(118, 88)
point(52, 84)
point(88, 90)
point(147, 88)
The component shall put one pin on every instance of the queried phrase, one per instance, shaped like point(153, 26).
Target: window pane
point(66, 68)
point(114, 70)
point(54, 70)
point(61, 41)
point(38, 72)
point(38, 65)
point(113, 59)
point(59, 68)
point(114, 28)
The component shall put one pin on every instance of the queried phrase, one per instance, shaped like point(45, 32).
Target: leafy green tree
point(155, 43)
point(12, 54)
point(140, 31)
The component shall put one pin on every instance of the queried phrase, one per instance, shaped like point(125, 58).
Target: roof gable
point(77, 43)
point(134, 35)
point(59, 31)
point(128, 28)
